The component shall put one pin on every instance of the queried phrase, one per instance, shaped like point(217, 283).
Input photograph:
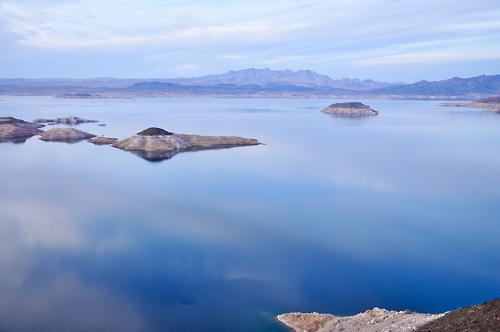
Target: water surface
point(399, 211)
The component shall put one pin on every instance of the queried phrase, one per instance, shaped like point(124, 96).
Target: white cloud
point(80, 25)
point(332, 36)
point(186, 68)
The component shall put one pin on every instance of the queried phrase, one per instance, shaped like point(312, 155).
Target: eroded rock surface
point(68, 135)
point(16, 130)
point(69, 120)
point(375, 320)
point(478, 318)
point(102, 140)
point(157, 144)
point(350, 110)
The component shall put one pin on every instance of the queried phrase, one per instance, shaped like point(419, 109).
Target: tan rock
point(68, 135)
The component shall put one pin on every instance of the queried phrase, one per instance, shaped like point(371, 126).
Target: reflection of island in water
point(15, 140)
point(154, 156)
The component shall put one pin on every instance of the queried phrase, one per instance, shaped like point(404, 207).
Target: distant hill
point(480, 85)
point(266, 77)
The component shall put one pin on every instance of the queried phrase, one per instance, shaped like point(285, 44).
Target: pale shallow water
point(400, 211)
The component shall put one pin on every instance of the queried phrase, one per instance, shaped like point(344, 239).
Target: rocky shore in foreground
point(369, 321)
point(478, 318)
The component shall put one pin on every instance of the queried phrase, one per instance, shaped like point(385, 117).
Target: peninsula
point(492, 104)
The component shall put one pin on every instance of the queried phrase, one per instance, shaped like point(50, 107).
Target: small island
point(156, 144)
point(69, 120)
point(67, 135)
point(16, 130)
point(350, 110)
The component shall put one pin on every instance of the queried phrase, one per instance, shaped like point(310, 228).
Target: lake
point(400, 211)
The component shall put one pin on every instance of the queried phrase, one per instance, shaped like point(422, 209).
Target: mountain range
point(485, 84)
point(257, 83)
point(263, 77)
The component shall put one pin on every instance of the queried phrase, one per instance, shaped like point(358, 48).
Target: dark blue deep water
point(400, 211)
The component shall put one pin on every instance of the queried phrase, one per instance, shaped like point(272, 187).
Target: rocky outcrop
point(102, 140)
point(16, 130)
point(154, 131)
point(68, 135)
point(69, 120)
point(482, 317)
point(374, 320)
point(350, 110)
point(155, 144)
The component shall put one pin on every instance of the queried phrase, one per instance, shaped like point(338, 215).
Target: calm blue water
point(401, 211)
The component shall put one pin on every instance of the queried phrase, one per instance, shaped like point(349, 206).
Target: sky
point(388, 40)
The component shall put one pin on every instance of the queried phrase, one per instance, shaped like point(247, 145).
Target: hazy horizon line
point(229, 71)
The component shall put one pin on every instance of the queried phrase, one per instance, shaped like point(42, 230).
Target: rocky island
point(69, 120)
point(483, 317)
point(156, 144)
point(350, 110)
point(16, 130)
point(68, 135)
